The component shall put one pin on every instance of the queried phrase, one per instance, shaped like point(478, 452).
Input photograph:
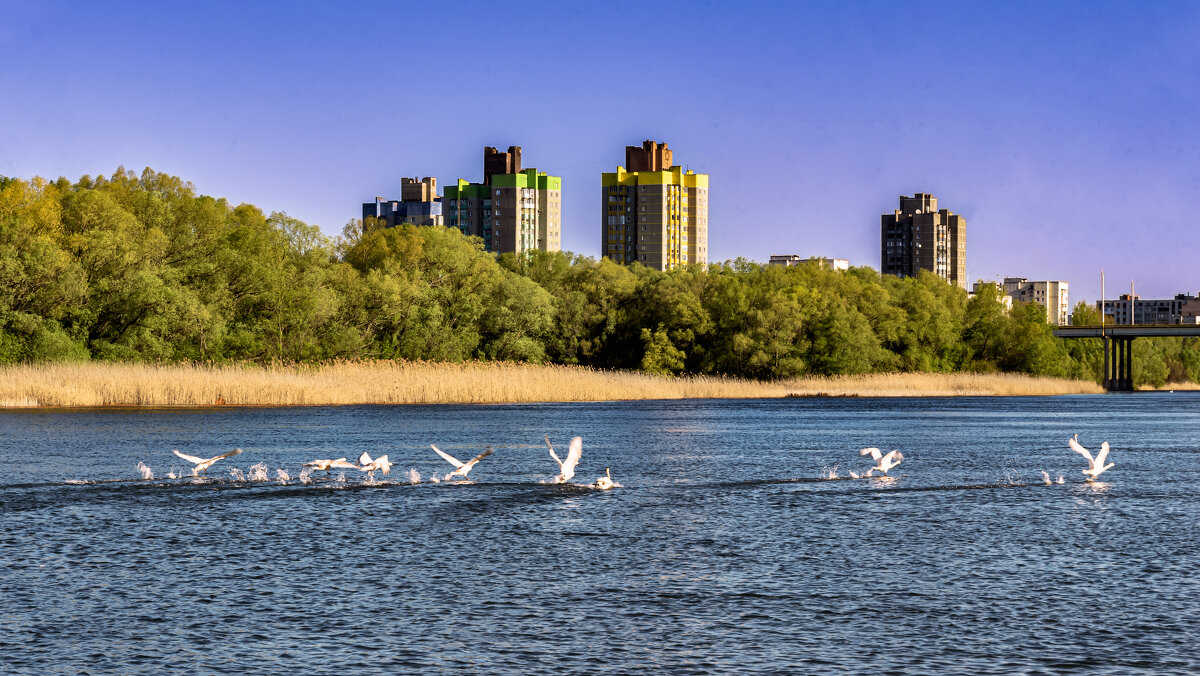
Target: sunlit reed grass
point(385, 382)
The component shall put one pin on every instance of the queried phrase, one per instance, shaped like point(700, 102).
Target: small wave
point(147, 473)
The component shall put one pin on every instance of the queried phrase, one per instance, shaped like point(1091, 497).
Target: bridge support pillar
point(1118, 364)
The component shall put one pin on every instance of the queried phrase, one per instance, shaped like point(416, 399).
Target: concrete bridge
point(1118, 346)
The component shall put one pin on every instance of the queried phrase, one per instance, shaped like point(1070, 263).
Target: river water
point(724, 549)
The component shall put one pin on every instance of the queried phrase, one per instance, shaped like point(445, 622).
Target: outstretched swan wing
point(892, 458)
point(1082, 451)
point(190, 458)
point(1100, 456)
point(573, 454)
point(229, 454)
point(875, 453)
point(447, 457)
point(364, 459)
point(481, 456)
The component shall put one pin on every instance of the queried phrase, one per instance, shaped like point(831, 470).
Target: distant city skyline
point(1066, 133)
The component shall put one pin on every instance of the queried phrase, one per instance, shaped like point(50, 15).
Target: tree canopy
point(141, 268)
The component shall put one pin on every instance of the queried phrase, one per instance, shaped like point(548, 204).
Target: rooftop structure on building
point(919, 236)
point(1050, 294)
point(1133, 309)
point(654, 212)
point(823, 263)
point(418, 204)
point(513, 210)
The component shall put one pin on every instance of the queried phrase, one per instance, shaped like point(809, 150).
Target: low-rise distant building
point(418, 204)
point(823, 263)
point(1050, 294)
point(1133, 309)
point(1004, 298)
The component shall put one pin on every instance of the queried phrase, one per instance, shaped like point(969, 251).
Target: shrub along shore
point(84, 384)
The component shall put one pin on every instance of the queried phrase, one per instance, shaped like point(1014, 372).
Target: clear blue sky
point(1066, 133)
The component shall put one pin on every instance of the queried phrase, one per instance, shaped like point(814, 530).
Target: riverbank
point(107, 384)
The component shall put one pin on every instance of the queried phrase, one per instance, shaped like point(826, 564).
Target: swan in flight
point(326, 465)
point(1096, 465)
point(366, 464)
point(460, 468)
point(202, 464)
point(566, 468)
point(882, 462)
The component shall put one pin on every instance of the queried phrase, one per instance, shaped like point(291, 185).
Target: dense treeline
point(140, 268)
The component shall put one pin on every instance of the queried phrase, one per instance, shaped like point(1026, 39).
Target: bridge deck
point(1128, 331)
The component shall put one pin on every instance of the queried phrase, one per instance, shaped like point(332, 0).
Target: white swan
point(366, 464)
point(326, 465)
point(1096, 465)
point(605, 482)
point(882, 462)
point(461, 468)
point(566, 468)
point(202, 464)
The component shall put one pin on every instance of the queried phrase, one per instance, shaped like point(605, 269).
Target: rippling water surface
point(723, 551)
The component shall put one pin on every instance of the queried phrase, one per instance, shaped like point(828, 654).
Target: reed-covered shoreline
point(85, 384)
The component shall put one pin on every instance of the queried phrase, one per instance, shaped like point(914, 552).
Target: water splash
point(854, 475)
point(340, 478)
point(830, 473)
point(258, 472)
point(236, 474)
point(414, 477)
point(147, 473)
point(172, 475)
point(283, 476)
point(434, 479)
point(305, 476)
point(1046, 478)
point(369, 480)
point(1060, 479)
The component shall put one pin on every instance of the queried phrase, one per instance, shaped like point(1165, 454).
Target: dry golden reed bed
point(104, 384)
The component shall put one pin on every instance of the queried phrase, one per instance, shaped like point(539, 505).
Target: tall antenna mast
point(1101, 301)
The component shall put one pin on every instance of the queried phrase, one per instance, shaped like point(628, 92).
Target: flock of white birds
point(367, 464)
point(884, 462)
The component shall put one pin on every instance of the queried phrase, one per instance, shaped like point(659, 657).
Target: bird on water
point(566, 468)
point(366, 464)
point(460, 468)
point(327, 464)
point(1096, 465)
point(605, 482)
point(202, 464)
point(882, 462)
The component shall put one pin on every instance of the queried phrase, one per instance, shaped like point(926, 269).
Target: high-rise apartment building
point(1050, 294)
point(919, 236)
point(513, 210)
point(654, 212)
point(418, 204)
